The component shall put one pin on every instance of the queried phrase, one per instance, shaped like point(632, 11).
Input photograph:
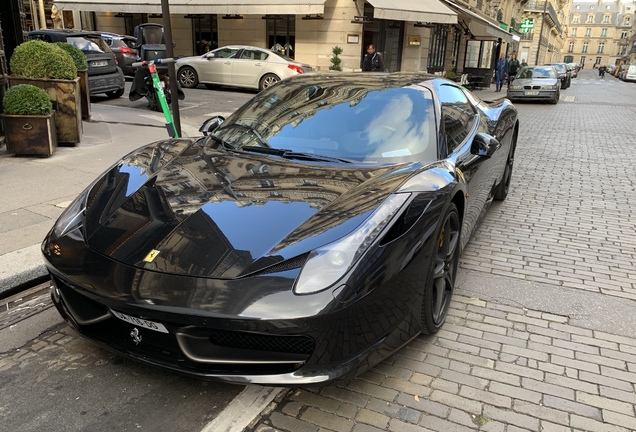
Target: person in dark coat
point(513, 67)
point(501, 71)
point(372, 61)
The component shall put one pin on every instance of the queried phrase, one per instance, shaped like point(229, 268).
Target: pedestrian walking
point(501, 70)
point(513, 67)
point(601, 71)
point(523, 63)
point(372, 61)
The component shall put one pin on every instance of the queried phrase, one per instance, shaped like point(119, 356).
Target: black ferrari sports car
point(301, 240)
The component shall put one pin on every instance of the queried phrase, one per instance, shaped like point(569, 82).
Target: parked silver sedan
point(536, 83)
point(238, 66)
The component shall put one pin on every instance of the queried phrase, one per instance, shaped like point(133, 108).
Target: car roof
point(327, 79)
point(65, 32)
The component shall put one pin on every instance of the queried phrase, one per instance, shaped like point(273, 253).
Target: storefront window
point(204, 33)
point(437, 49)
point(281, 34)
point(479, 54)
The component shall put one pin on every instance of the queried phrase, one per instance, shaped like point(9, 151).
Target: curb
point(21, 267)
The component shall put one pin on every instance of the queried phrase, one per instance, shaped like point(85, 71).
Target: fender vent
point(292, 263)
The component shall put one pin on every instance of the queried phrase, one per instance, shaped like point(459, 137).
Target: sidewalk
point(36, 190)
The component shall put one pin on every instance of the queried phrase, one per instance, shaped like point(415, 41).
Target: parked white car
point(238, 66)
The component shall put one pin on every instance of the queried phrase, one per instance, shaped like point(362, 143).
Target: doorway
point(388, 38)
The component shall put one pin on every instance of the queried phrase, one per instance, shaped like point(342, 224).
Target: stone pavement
point(540, 335)
point(492, 368)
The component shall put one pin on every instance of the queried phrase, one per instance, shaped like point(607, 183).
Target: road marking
point(243, 409)
point(569, 98)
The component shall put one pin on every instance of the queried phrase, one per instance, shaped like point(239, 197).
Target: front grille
point(250, 341)
point(532, 87)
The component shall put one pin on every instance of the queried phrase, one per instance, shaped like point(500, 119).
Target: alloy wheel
point(188, 78)
point(445, 268)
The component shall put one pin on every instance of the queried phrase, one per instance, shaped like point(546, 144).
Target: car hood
point(181, 208)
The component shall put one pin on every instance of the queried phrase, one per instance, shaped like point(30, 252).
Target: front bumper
point(521, 95)
point(106, 83)
point(240, 331)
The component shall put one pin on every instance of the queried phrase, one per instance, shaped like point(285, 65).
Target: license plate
point(99, 63)
point(140, 322)
point(531, 93)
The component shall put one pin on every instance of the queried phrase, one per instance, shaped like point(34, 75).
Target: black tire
point(501, 192)
point(115, 94)
point(440, 282)
point(188, 77)
point(556, 98)
point(268, 80)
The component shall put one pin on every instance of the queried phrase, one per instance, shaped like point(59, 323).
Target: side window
point(250, 54)
point(42, 37)
point(458, 115)
point(226, 52)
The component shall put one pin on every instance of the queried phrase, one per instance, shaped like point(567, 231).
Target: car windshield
point(560, 67)
point(537, 72)
point(361, 123)
point(89, 44)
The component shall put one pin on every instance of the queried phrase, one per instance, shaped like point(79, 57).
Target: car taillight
point(116, 62)
point(295, 68)
point(125, 50)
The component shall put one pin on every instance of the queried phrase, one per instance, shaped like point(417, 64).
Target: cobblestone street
point(567, 223)
point(540, 334)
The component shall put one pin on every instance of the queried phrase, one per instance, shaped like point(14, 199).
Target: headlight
point(73, 216)
point(549, 87)
point(329, 263)
point(515, 87)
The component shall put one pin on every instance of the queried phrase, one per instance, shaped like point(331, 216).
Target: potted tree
point(52, 69)
point(82, 72)
point(28, 121)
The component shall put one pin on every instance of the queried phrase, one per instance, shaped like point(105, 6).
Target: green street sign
point(527, 25)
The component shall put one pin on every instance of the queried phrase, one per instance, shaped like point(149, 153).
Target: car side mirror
point(211, 124)
point(484, 145)
point(209, 56)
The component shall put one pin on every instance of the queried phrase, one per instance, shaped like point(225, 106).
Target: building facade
point(430, 35)
point(600, 32)
point(543, 42)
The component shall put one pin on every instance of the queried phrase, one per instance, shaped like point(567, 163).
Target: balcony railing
point(539, 6)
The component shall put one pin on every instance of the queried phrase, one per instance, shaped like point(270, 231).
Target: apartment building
point(600, 32)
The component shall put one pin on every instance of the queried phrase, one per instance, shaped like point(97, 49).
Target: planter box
point(86, 96)
point(66, 98)
point(30, 135)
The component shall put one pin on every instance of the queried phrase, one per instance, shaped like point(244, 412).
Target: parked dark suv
point(104, 76)
point(125, 49)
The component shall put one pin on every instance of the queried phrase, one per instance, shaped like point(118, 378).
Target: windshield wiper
point(289, 154)
point(225, 144)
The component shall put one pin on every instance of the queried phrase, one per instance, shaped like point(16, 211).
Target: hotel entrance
point(387, 36)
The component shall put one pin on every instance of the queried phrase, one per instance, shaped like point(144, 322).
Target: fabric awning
point(480, 26)
point(432, 11)
point(223, 7)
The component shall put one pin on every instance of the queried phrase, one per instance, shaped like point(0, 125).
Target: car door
point(248, 67)
point(217, 68)
point(460, 123)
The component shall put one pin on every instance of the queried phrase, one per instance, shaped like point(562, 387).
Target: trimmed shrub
point(335, 60)
point(26, 99)
point(78, 56)
point(38, 59)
